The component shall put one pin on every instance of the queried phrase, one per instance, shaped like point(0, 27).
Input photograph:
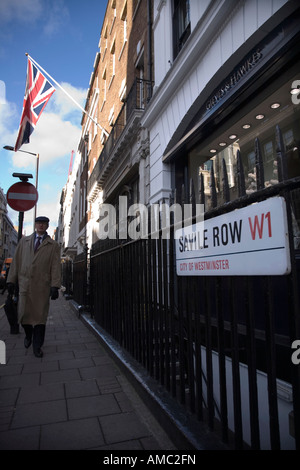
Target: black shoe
point(27, 342)
point(38, 353)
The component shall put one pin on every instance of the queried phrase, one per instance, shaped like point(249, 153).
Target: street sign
point(245, 242)
point(22, 196)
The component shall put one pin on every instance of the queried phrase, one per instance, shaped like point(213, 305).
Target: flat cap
point(42, 218)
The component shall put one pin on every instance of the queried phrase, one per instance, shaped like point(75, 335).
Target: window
point(122, 91)
point(104, 87)
point(125, 30)
point(140, 77)
point(105, 43)
point(124, 20)
point(112, 61)
point(135, 5)
point(181, 24)
point(94, 108)
point(251, 161)
point(268, 153)
point(95, 130)
point(114, 17)
point(111, 116)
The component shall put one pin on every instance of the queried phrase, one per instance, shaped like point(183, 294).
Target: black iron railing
point(214, 343)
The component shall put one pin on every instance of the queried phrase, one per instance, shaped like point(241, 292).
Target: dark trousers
point(36, 334)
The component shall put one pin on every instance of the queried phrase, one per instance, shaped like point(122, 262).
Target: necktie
point(37, 243)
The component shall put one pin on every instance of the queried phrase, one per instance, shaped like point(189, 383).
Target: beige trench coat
point(35, 274)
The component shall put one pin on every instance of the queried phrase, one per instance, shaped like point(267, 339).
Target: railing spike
point(175, 196)
point(225, 182)
point(213, 190)
point(260, 177)
point(182, 193)
point(192, 196)
point(201, 189)
point(240, 175)
point(281, 157)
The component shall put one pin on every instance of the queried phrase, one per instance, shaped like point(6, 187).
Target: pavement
point(75, 397)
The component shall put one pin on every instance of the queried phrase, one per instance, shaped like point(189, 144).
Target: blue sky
point(62, 36)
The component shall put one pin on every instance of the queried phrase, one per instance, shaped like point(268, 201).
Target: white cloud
point(51, 209)
point(8, 117)
point(56, 18)
point(64, 105)
point(48, 208)
point(57, 133)
point(15, 10)
point(52, 14)
point(52, 139)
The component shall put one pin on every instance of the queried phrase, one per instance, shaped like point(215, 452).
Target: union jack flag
point(37, 94)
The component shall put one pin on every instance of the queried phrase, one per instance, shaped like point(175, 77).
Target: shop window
point(288, 137)
point(181, 24)
point(268, 152)
point(251, 161)
point(258, 119)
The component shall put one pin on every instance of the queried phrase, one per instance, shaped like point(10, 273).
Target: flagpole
point(69, 96)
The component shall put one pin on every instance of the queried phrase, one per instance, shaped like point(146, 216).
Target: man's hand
point(10, 288)
point(54, 293)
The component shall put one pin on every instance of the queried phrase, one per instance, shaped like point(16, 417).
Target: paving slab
point(74, 435)
point(74, 398)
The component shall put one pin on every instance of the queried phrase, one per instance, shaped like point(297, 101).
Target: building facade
point(225, 74)
point(8, 234)
point(228, 82)
point(112, 153)
point(182, 94)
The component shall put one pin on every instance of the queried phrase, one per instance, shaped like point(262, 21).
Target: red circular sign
point(22, 196)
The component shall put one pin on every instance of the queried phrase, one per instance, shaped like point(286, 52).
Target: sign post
point(22, 197)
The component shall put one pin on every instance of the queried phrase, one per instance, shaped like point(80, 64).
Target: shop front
point(258, 94)
point(250, 320)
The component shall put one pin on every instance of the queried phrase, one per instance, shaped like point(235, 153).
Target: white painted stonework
point(219, 31)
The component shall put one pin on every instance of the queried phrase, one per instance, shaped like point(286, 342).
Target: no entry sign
point(22, 196)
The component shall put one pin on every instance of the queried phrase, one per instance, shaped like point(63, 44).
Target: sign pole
point(36, 186)
point(20, 229)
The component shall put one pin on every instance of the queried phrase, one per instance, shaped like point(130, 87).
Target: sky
point(62, 36)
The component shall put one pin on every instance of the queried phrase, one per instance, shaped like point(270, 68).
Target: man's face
point(41, 227)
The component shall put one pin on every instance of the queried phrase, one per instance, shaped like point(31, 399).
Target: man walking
point(36, 272)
